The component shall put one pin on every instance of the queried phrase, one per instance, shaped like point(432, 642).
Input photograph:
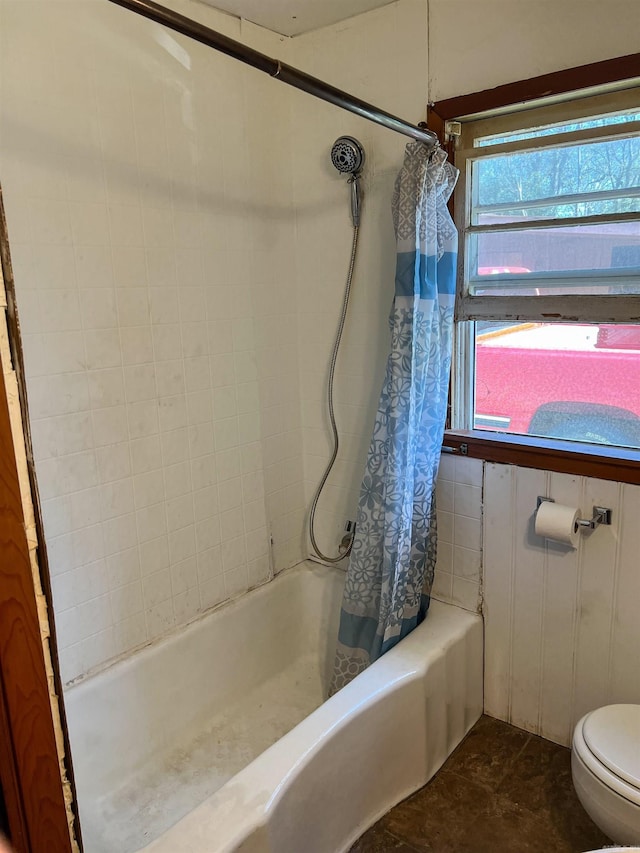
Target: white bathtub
point(168, 744)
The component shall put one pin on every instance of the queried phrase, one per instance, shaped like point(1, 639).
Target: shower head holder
point(347, 155)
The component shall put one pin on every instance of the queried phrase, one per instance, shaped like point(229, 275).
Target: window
point(548, 331)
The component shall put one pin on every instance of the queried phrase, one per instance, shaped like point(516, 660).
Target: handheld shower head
point(347, 155)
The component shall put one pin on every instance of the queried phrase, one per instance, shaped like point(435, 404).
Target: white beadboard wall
point(150, 216)
point(562, 634)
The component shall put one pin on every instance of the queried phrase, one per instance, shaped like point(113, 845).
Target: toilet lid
point(612, 734)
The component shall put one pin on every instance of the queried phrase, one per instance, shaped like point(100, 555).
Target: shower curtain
point(392, 562)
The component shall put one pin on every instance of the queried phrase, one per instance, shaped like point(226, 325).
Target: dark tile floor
point(502, 791)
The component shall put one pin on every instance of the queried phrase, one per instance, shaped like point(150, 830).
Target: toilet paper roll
point(558, 522)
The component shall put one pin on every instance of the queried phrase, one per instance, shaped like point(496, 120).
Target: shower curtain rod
point(276, 69)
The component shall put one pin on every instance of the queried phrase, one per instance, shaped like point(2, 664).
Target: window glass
point(586, 259)
point(551, 232)
point(586, 179)
point(560, 127)
point(570, 381)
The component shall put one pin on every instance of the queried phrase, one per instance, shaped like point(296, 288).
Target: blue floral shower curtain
point(390, 573)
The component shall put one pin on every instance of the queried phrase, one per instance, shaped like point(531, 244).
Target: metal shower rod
point(276, 69)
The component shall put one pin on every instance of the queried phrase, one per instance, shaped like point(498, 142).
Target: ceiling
point(292, 17)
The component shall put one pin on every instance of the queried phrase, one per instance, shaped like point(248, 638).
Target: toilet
point(605, 764)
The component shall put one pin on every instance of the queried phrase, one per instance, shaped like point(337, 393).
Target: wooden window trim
point(596, 74)
point(547, 454)
point(567, 457)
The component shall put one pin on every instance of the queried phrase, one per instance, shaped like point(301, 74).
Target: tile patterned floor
point(502, 791)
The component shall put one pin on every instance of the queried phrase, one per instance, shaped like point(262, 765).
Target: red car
point(570, 381)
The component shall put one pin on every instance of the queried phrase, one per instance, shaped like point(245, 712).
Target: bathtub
point(217, 738)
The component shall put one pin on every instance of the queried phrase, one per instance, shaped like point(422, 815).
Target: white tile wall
point(561, 628)
point(342, 54)
point(180, 243)
point(459, 501)
point(396, 36)
point(150, 223)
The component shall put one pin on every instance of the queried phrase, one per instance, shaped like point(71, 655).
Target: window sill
point(567, 457)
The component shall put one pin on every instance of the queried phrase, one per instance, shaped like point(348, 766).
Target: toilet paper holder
point(601, 515)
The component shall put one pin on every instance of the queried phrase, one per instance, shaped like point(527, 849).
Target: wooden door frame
point(30, 766)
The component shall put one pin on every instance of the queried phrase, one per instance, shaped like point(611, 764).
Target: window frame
point(568, 306)
point(611, 463)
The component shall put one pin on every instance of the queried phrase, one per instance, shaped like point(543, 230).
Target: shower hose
point(332, 418)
